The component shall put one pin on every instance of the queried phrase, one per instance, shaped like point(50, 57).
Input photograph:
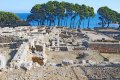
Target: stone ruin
point(20, 56)
point(2, 62)
point(105, 48)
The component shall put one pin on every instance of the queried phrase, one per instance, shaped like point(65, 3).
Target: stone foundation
point(105, 48)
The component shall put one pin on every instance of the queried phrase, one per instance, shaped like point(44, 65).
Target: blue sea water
point(93, 21)
point(22, 16)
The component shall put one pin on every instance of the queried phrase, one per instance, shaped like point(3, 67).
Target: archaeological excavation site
point(59, 53)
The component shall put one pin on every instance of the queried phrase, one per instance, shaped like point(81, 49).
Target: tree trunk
point(53, 22)
point(50, 23)
point(42, 23)
point(74, 23)
point(108, 24)
point(47, 22)
point(61, 22)
point(66, 22)
point(83, 24)
point(79, 23)
point(119, 26)
point(102, 24)
point(88, 22)
point(58, 21)
point(71, 23)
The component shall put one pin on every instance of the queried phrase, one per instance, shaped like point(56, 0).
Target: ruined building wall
point(105, 48)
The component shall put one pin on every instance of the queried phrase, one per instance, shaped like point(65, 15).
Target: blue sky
point(24, 6)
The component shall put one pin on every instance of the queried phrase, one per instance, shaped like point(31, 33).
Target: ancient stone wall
point(5, 39)
point(105, 48)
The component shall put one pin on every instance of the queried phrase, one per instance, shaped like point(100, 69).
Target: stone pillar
point(2, 62)
point(44, 55)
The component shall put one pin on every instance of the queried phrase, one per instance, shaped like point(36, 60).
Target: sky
point(24, 6)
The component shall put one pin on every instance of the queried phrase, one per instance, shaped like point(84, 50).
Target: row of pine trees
point(61, 14)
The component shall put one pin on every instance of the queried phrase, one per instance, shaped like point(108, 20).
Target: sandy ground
point(6, 52)
point(96, 36)
point(45, 73)
point(94, 56)
point(58, 57)
point(112, 57)
point(63, 73)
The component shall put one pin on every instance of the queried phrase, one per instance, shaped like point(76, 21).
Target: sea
point(93, 21)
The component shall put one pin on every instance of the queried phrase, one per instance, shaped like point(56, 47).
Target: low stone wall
point(10, 45)
point(4, 39)
point(5, 45)
point(105, 48)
